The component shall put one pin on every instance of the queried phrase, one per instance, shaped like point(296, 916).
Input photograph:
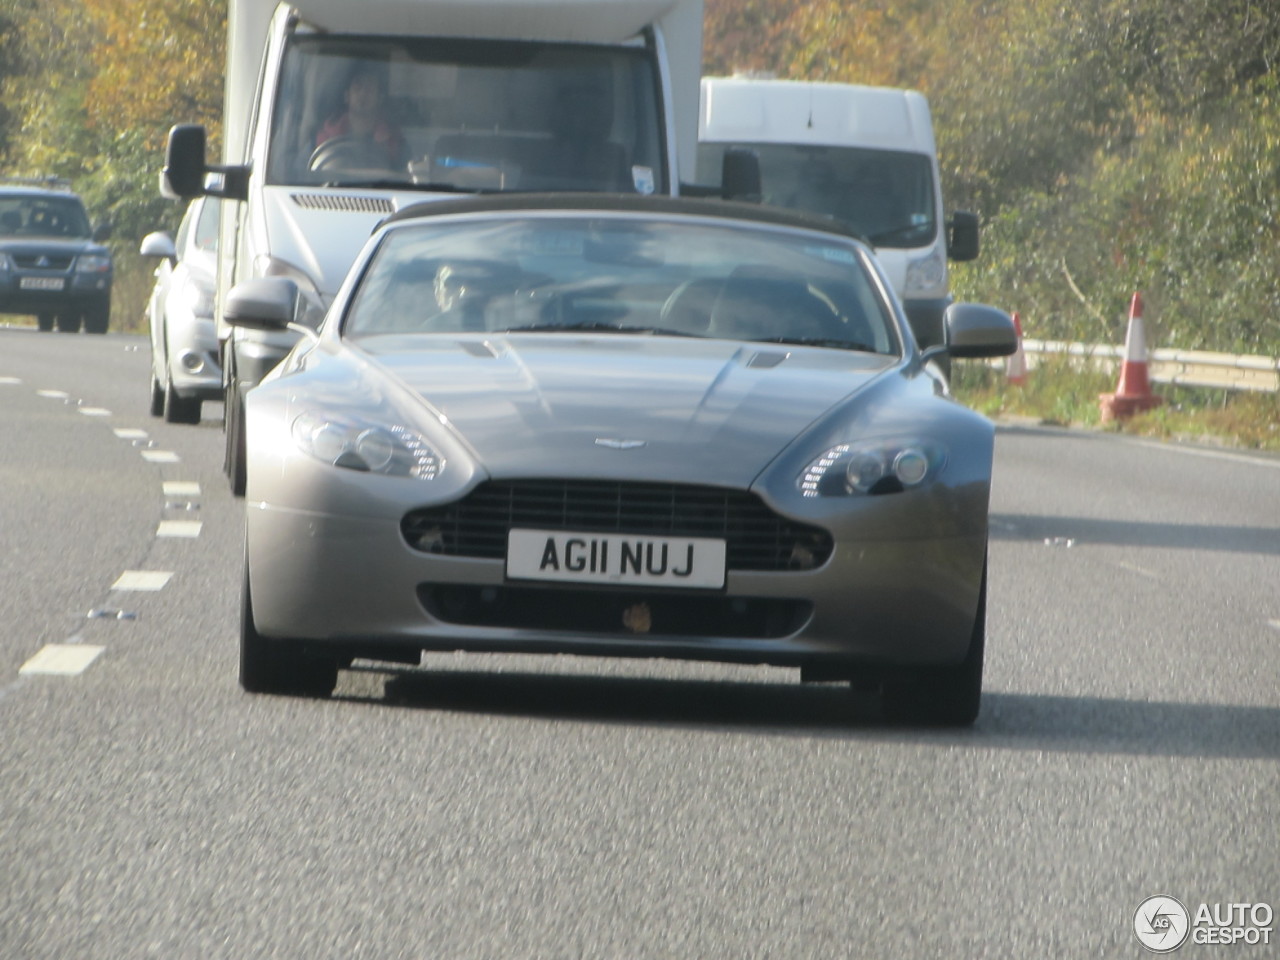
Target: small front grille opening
point(619, 613)
point(756, 537)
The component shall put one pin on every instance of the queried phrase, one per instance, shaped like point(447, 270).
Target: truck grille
point(756, 537)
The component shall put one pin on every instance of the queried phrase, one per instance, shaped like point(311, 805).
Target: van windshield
point(466, 115)
point(886, 195)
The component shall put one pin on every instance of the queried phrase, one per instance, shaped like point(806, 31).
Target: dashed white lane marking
point(61, 659)
point(181, 488)
point(1134, 568)
point(142, 580)
point(1274, 623)
point(179, 528)
point(9, 381)
point(130, 433)
point(95, 411)
point(53, 394)
point(160, 456)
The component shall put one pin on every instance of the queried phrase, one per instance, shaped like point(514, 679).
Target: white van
point(864, 155)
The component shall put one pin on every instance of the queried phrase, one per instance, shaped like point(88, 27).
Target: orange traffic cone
point(1133, 394)
point(1016, 365)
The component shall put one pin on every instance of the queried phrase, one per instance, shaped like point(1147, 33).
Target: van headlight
point(356, 444)
point(872, 468)
point(926, 274)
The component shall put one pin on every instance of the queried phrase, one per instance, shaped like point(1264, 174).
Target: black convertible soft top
point(624, 203)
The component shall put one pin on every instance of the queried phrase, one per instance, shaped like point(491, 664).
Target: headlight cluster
point(197, 296)
point(394, 451)
point(872, 468)
point(5, 263)
point(93, 263)
point(926, 274)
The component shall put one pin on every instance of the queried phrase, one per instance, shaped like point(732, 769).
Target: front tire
point(180, 409)
point(68, 322)
point(45, 322)
point(272, 665)
point(943, 696)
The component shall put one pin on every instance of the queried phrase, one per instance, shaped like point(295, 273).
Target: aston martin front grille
point(756, 537)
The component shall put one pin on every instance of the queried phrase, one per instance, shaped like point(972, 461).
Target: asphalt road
point(546, 808)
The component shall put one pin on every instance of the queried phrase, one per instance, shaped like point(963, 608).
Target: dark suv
point(52, 263)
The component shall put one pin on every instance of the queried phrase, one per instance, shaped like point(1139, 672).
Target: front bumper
point(352, 582)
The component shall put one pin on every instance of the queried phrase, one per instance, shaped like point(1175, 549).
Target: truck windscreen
point(466, 115)
point(887, 196)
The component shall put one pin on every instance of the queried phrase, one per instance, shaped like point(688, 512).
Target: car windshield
point(623, 274)
point(40, 216)
point(466, 115)
point(887, 196)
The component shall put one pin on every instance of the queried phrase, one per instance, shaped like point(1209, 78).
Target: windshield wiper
point(596, 327)
point(905, 230)
point(393, 184)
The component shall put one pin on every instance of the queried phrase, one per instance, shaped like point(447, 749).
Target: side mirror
point(184, 162)
point(102, 233)
point(975, 330)
point(962, 236)
point(269, 303)
point(158, 244)
point(740, 175)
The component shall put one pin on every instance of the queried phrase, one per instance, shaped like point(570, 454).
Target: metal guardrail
point(1187, 368)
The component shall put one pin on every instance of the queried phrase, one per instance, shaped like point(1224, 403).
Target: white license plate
point(42, 283)
point(614, 558)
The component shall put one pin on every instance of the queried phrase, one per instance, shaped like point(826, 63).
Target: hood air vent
point(343, 203)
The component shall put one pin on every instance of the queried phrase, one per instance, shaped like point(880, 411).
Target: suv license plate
point(42, 283)
point(615, 559)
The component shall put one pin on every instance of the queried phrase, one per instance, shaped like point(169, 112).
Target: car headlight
point(5, 263)
point(925, 274)
point(356, 444)
point(197, 297)
point(93, 263)
point(872, 468)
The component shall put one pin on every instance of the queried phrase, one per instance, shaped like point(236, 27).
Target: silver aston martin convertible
point(620, 427)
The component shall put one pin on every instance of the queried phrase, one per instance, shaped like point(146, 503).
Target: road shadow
point(1088, 530)
point(1012, 721)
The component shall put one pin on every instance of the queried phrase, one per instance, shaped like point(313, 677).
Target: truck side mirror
point(267, 303)
point(962, 236)
point(740, 175)
point(184, 162)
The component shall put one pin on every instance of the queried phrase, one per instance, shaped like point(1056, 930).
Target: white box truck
point(864, 155)
point(339, 112)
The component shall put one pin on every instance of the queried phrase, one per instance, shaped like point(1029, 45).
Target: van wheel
point(272, 665)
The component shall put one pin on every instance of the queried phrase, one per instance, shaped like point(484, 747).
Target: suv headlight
point(93, 263)
point(925, 274)
point(872, 468)
point(358, 444)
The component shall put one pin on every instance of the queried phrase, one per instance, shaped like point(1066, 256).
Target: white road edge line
point(1209, 454)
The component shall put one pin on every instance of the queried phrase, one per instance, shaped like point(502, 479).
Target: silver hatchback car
point(185, 363)
point(620, 427)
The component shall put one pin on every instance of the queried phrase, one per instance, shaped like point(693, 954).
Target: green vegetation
point(1108, 145)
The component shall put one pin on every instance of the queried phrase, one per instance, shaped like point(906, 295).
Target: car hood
point(320, 230)
point(51, 246)
point(624, 406)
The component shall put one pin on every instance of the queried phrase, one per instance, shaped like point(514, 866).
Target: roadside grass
point(1057, 393)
